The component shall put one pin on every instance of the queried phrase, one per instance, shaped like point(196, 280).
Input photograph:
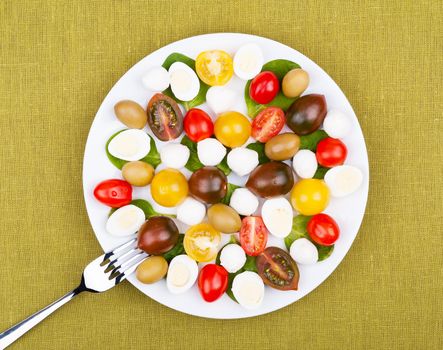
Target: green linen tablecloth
point(58, 59)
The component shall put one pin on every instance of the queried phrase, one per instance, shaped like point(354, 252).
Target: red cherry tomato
point(331, 152)
point(253, 235)
point(264, 87)
point(323, 229)
point(198, 125)
point(114, 193)
point(212, 282)
point(268, 123)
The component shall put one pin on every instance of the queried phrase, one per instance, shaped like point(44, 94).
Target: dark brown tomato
point(164, 117)
point(277, 269)
point(271, 180)
point(306, 114)
point(208, 185)
point(157, 235)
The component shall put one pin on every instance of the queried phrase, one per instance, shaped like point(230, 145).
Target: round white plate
point(348, 211)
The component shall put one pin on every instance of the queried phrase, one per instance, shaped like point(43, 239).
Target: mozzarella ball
point(244, 201)
point(191, 211)
point(242, 160)
point(156, 79)
point(337, 124)
point(220, 99)
point(210, 151)
point(305, 163)
point(174, 155)
point(232, 257)
point(303, 251)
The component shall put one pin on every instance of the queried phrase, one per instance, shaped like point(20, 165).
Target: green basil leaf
point(250, 264)
point(227, 198)
point(223, 166)
point(320, 173)
point(279, 67)
point(324, 252)
point(147, 208)
point(259, 147)
point(178, 249)
point(153, 157)
point(201, 96)
point(193, 163)
point(229, 288)
point(310, 141)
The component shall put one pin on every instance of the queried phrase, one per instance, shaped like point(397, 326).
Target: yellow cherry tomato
point(214, 67)
point(232, 129)
point(201, 242)
point(310, 196)
point(169, 187)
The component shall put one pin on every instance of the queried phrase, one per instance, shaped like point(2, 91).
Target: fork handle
point(15, 332)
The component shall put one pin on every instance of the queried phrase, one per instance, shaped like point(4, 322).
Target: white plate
point(348, 211)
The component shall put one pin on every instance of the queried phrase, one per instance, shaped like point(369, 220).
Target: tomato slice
point(253, 235)
point(164, 117)
point(214, 67)
point(212, 282)
point(202, 242)
point(114, 192)
point(268, 123)
point(198, 125)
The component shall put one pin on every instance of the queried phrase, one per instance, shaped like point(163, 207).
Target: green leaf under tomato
point(259, 147)
point(153, 157)
point(299, 230)
point(279, 67)
point(147, 208)
point(320, 173)
point(201, 96)
point(227, 198)
point(310, 141)
point(178, 249)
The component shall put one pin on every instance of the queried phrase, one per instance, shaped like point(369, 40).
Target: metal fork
point(100, 275)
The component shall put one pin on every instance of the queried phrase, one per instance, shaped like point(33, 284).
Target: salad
point(234, 180)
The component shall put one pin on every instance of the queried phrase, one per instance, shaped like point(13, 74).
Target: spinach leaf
point(153, 157)
point(259, 147)
point(178, 249)
point(279, 67)
point(310, 141)
point(201, 96)
point(299, 230)
point(223, 166)
point(227, 198)
point(320, 173)
point(250, 264)
point(146, 207)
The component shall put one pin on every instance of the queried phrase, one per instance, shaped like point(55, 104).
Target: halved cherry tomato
point(212, 282)
point(331, 152)
point(164, 117)
point(264, 87)
point(114, 193)
point(323, 229)
point(253, 235)
point(198, 125)
point(214, 67)
point(202, 242)
point(268, 123)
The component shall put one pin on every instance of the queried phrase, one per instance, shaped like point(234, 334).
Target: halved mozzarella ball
point(337, 124)
point(191, 212)
point(182, 274)
point(303, 251)
point(174, 155)
point(220, 99)
point(248, 289)
point(343, 180)
point(130, 145)
point(243, 201)
point(277, 215)
point(242, 160)
point(210, 151)
point(156, 79)
point(125, 221)
point(232, 257)
point(248, 61)
point(305, 163)
point(184, 81)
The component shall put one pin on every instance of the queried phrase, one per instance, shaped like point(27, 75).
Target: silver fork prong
point(119, 251)
point(129, 266)
point(122, 258)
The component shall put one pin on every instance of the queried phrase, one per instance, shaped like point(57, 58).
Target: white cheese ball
point(304, 252)
point(221, 99)
point(210, 151)
point(337, 124)
point(232, 257)
point(242, 160)
point(156, 79)
point(244, 201)
point(174, 155)
point(305, 164)
point(191, 211)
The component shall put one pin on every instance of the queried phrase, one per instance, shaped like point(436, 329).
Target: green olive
point(138, 173)
point(295, 82)
point(283, 146)
point(131, 114)
point(151, 270)
point(223, 218)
